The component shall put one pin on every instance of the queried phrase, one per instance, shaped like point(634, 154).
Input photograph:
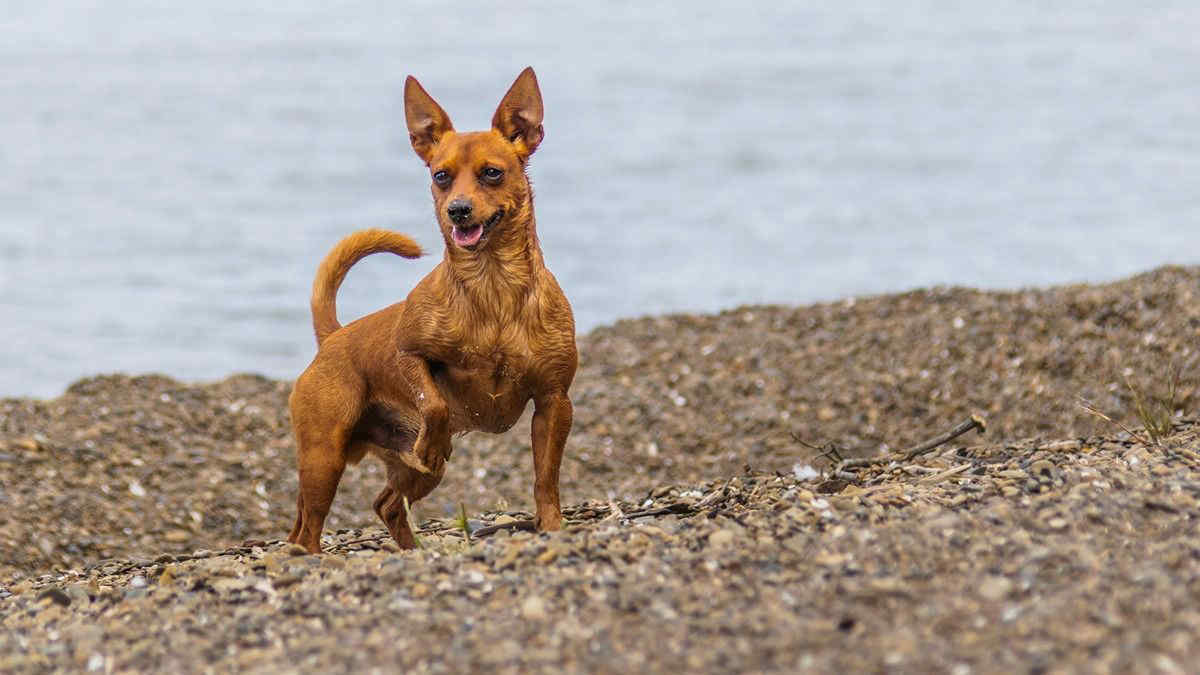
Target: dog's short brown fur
point(484, 333)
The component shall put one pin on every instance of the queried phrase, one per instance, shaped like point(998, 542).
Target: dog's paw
point(551, 521)
point(412, 461)
point(427, 457)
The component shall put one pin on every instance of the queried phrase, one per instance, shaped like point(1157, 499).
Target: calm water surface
point(170, 175)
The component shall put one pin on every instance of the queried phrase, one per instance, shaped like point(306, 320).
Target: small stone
point(888, 586)
point(78, 593)
point(419, 590)
point(177, 536)
point(296, 550)
point(285, 580)
point(721, 538)
point(333, 562)
point(995, 588)
point(55, 595)
point(533, 608)
point(509, 557)
point(830, 559)
point(653, 531)
point(275, 560)
point(548, 556)
point(241, 585)
point(1056, 523)
point(1043, 470)
point(46, 546)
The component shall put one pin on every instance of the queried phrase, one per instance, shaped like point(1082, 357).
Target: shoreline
point(932, 290)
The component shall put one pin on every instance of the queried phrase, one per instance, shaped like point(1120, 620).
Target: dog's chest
point(486, 389)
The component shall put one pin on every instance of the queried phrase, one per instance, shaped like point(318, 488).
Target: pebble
point(995, 588)
point(78, 593)
point(1043, 470)
point(286, 579)
point(533, 608)
point(334, 562)
point(722, 538)
point(56, 595)
point(551, 554)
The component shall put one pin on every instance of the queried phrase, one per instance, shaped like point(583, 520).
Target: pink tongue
point(469, 236)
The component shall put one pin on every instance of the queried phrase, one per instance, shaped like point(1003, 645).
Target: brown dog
point(486, 332)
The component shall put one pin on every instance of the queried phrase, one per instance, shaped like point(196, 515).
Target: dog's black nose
point(459, 210)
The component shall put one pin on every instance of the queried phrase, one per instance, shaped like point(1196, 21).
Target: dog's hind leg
point(320, 470)
point(323, 417)
point(404, 482)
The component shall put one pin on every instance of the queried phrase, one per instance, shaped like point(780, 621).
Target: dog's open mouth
point(469, 236)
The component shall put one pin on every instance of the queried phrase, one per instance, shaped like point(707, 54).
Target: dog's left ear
point(519, 116)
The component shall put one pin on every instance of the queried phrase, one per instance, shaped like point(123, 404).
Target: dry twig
point(1093, 410)
point(974, 422)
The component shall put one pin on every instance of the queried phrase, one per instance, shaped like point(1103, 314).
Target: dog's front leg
point(552, 415)
point(432, 446)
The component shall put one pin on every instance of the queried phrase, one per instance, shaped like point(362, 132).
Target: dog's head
point(479, 185)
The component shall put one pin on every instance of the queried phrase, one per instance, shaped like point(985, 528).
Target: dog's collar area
point(471, 236)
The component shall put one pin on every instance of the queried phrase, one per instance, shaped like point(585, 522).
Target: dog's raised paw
point(410, 459)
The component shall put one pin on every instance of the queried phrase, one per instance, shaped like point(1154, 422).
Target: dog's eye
point(492, 175)
point(442, 178)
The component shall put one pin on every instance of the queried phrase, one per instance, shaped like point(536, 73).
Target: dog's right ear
point(427, 122)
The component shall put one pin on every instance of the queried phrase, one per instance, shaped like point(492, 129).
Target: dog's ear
point(519, 116)
point(427, 122)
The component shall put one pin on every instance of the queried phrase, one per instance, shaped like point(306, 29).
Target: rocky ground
point(140, 518)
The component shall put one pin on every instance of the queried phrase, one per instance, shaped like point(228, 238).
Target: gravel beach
point(707, 528)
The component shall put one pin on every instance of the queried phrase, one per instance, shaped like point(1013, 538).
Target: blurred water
point(170, 173)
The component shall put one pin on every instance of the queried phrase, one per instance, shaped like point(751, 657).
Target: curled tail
point(338, 262)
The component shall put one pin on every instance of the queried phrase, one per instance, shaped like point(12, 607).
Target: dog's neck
point(496, 281)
